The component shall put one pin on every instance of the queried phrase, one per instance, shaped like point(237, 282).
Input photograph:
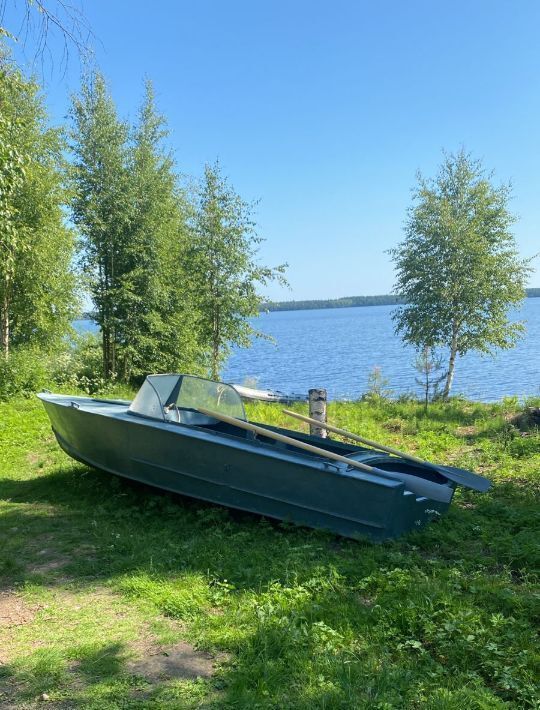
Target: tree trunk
point(106, 342)
point(216, 342)
point(4, 317)
point(451, 363)
point(112, 347)
point(317, 410)
point(4, 327)
point(105, 349)
point(112, 325)
point(427, 358)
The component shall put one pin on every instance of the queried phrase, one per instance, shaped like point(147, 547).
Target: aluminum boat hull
point(251, 474)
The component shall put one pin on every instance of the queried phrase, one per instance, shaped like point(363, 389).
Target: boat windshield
point(177, 398)
point(195, 392)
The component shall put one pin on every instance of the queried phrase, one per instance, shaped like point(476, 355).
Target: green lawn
point(113, 595)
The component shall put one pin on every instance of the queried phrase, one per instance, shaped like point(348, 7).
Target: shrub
point(525, 446)
point(74, 365)
point(23, 373)
point(80, 365)
point(378, 389)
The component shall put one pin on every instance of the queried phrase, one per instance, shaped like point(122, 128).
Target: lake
point(338, 348)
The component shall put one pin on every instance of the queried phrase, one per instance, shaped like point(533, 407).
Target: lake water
point(338, 348)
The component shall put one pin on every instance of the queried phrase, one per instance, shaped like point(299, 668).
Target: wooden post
point(317, 410)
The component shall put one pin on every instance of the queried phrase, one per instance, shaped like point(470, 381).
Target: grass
point(97, 572)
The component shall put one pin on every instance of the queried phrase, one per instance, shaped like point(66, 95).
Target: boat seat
point(224, 428)
point(393, 464)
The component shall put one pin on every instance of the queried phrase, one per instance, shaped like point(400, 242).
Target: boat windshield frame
point(167, 405)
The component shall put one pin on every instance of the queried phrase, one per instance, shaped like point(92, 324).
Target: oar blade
point(465, 478)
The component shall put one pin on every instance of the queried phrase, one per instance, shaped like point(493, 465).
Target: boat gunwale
point(253, 446)
point(202, 433)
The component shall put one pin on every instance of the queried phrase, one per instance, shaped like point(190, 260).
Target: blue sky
point(325, 111)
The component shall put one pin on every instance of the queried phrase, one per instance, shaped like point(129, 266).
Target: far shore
point(346, 302)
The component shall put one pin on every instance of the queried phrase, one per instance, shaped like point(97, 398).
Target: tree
point(11, 179)
point(458, 269)
point(37, 283)
point(429, 366)
point(102, 207)
point(156, 319)
point(224, 254)
point(378, 387)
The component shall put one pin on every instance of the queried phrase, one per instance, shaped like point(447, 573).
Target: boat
point(191, 436)
point(249, 394)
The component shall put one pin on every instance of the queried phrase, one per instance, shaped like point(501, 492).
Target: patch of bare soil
point(49, 559)
point(458, 453)
point(85, 550)
point(14, 611)
point(180, 661)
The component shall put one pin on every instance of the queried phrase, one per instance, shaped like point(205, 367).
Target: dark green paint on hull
point(217, 463)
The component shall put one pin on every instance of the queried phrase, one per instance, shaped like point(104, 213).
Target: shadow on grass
point(46, 671)
point(125, 525)
point(107, 530)
point(111, 526)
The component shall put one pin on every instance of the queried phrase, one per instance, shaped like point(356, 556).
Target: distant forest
point(346, 302)
point(351, 302)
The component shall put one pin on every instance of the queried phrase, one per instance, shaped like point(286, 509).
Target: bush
point(378, 390)
point(75, 365)
point(25, 371)
point(525, 445)
point(80, 365)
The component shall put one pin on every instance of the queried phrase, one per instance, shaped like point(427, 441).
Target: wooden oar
point(417, 485)
point(458, 475)
point(248, 426)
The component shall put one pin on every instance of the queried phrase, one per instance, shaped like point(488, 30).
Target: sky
point(324, 112)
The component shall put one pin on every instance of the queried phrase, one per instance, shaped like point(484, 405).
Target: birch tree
point(11, 179)
point(102, 206)
point(37, 283)
point(229, 275)
point(458, 268)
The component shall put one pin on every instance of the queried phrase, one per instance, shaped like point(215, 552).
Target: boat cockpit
point(176, 398)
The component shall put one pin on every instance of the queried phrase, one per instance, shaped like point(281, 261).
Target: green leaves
point(224, 255)
point(101, 206)
point(458, 268)
point(174, 282)
point(37, 284)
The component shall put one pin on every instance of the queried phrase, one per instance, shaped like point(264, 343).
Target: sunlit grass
point(102, 568)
